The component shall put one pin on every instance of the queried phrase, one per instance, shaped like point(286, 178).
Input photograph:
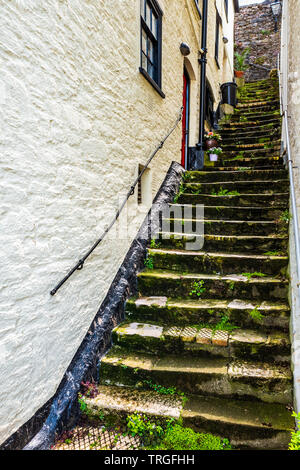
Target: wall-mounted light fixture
point(185, 49)
point(225, 40)
point(276, 12)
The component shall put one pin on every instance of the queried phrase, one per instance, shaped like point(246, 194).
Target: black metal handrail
point(81, 262)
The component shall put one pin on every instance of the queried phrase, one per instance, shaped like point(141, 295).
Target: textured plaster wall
point(290, 78)
point(76, 120)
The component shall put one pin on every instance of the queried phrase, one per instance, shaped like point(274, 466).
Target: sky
point(249, 2)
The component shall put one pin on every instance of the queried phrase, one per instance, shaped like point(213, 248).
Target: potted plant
point(212, 139)
point(214, 153)
point(240, 63)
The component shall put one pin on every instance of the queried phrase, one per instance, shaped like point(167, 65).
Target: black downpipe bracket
point(199, 161)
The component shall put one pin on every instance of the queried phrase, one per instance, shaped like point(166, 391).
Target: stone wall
point(255, 28)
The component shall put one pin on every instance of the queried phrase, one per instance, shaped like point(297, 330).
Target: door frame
point(185, 119)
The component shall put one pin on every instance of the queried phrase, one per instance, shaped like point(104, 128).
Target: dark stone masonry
point(255, 28)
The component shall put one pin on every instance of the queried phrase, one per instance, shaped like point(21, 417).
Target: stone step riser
point(261, 162)
point(253, 133)
point(244, 200)
point(214, 345)
point(181, 287)
point(252, 140)
point(246, 429)
point(255, 150)
point(210, 384)
point(180, 314)
point(223, 227)
point(252, 125)
point(222, 264)
point(246, 213)
point(248, 187)
point(219, 176)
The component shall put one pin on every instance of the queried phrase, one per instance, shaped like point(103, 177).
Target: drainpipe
point(199, 163)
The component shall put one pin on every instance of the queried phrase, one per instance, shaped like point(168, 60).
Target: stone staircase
point(215, 323)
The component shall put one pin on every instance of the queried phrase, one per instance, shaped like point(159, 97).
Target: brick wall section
point(254, 28)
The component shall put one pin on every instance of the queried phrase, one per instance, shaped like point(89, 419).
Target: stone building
point(255, 29)
point(87, 91)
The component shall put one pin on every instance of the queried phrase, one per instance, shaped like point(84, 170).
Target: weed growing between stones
point(256, 315)
point(249, 276)
point(197, 289)
point(171, 435)
point(295, 440)
point(148, 262)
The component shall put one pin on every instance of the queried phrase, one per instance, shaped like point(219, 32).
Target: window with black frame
point(226, 8)
point(217, 39)
point(151, 40)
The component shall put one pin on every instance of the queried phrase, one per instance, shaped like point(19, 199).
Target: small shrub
point(295, 440)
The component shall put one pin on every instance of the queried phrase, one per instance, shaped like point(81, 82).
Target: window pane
point(144, 61)
point(143, 6)
point(150, 70)
point(144, 42)
point(148, 15)
point(154, 25)
point(150, 51)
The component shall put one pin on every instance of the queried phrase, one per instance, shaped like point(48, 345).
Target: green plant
point(256, 315)
point(225, 192)
point(272, 253)
point(181, 191)
point(148, 262)
point(295, 439)
point(249, 276)
point(154, 244)
point(161, 389)
point(140, 425)
point(240, 60)
point(197, 289)
point(285, 216)
point(265, 32)
point(179, 438)
point(224, 324)
point(215, 151)
point(231, 285)
point(212, 136)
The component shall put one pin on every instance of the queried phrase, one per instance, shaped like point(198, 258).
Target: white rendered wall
point(76, 120)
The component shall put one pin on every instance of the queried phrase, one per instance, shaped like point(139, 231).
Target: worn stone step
point(249, 152)
point(156, 340)
point(223, 262)
point(213, 286)
point(252, 162)
point(218, 176)
point(258, 104)
point(200, 376)
point(247, 424)
point(256, 132)
point(233, 212)
point(251, 139)
point(241, 313)
point(253, 200)
point(248, 186)
point(226, 227)
point(252, 124)
point(257, 148)
point(240, 168)
point(256, 118)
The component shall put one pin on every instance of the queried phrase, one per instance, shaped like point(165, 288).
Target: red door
point(185, 120)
